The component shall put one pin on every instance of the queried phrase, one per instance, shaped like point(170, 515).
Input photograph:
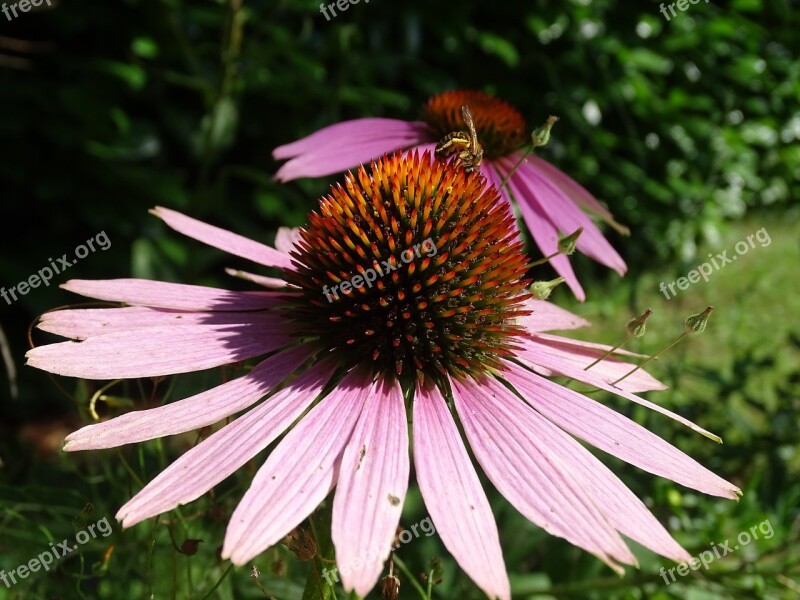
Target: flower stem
point(412, 580)
point(528, 150)
point(653, 357)
point(610, 351)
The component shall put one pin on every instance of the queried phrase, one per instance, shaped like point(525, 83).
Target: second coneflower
point(550, 202)
point(404, 294)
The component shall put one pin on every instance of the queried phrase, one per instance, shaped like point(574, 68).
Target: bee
point(465, 144)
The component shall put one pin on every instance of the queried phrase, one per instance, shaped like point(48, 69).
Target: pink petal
point(584, 346)
point(581, 355)
point(537, 355)
point(165, 350)
point(227, 449)
point(298, 474)
point(348, 155)
point(373, 478)
point(576, 192)
point(507, 440)
point(453, 494)
point(191, 413)
point(267, 282)
point(286, 238)
point(495, 180)
point(544, 233)
point(614, 433)
point(360, 129)
point(233, 243)
point(347, 145)
point(619, 506)
point(82, 323)
point(538, 189)
point(178, 296)
point(547, 316)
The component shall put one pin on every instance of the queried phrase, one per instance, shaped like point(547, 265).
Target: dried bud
point(279, 568)
point(189, 547)
point(302, 543)
point(80, 520)
point(436, 570)
point(697, 323)
point(541, 135)
point(541, 289)
point(566, 245)
point(636, 326)
point(390, 588)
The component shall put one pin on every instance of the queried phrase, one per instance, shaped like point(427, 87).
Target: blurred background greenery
point(688, 129)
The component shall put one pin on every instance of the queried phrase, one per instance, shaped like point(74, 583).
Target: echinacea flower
point(438, 324)
point(549, 201)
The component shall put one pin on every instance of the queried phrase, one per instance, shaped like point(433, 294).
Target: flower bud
point(566, 245)
point(189, 547)
point(636, 326)
point(541, 289)
point(697, 323)
point(390, 588)
point(541, 135)
point(302, 543)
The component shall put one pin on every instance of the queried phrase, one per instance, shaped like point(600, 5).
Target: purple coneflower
point(444, 331)
point(549, 201)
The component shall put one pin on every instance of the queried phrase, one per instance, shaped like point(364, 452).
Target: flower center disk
point(500, 127)
point(414, 266)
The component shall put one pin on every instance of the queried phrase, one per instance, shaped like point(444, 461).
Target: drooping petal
point(347, 145)
point(504, 436)
point(453, 494)
point(224, 240)
point(546, 316)
point(163, 350)
point(583, 346)
point(537, 188)
point(227, 449)
point(611, 368)
point(267, 282)
point(176, 296)
point(191, 413)
point(298, 474)
point(488, 170)
point(536, 355)
point(286, 238)
point(614, 433)
point(360, 129)
point(576, 192)
point(501, 411)
point(373, 478)
point(544, 232)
